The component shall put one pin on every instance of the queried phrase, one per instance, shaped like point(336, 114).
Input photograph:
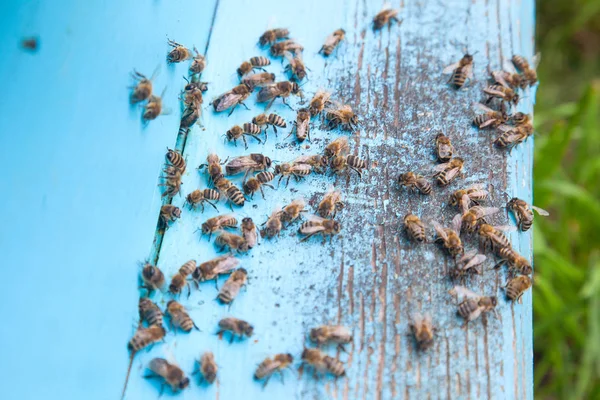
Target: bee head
point(494, 301)
point(295, 88)
point(177, 212)
point(337, 227)
point(515, 99)
point(268, 162)
point(184, 383)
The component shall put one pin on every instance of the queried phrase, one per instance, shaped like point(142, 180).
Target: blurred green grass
point(567, 184)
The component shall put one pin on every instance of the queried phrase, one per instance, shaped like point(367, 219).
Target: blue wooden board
point(89, 186)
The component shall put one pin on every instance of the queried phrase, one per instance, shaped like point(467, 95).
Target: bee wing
point(478, 193)
point(450, 68)
point(506, 228)
point(476, 260)
point(451, 174)
point(331, 40)
point(485, 211)
point(267, 93)
point(481, 107)
point(493, 92)
point(226, 101)
point(509, 67)
point(535, 61)
point(225, 217)
point(439, 229)
point(440, 167)
point(506, 128)
point(468, 70)
point(301, 167)
point(465, 202)
point(540, 211)
point(467, 256)
point(498, 76)
point(226, 265)
point(239, 164)
point(303, 159)
point(462, 293)
point(457, 222)
point(475, 314)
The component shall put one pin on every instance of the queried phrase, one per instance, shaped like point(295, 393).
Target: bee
point(180, 317)
point(219, 222)
point(208, 367)
point(514, 260)
point(292, 211)
point(143, 88)
point(415, 228)
point(259, 80)
point(150, 312)
point(190, 116)
point(232, 98)
point(232, 286)
point(322, 362)
point(237, 327)
point(280, 48)
point(170, 373)
point(473, 304)
point(256, 183)
point(460, 71)
point(356, 164)
point(332, 41)
point(144, 337)
point(278, 90)
point(493, 236)
point(152, 277)
point(443, 147)
point(288, 170)
point(153, 107)
point(247, 129)
point(472, 217)
point(501, 92)
point(211, 269)
point(213, 165)
point(385, 17)
point(316, 161)
point(232, 192)
point(489, 118)
point(302, 125)
point(316, 225)
point(253, 63)
point(250, 163)
point(235, 243)
point(529, 73)
point(524, 212)
point(337, 334)
point(509, 78)
point(414, 181)
point(520, 118)
point(199, 197)
point(175, 158)
point(469, 263)
point(179, 53)
point(337, 147)
point(295, 67)
point(169, 213)
point(517, 286)
point(513, 135)
point(464, 197)
point(249, 232)
point(423, 330)
point(178, 281)
point(273, 225)
point(272, 35)
point(331, 204)
point(341, 116)
point(272, 119)
point(198, 64)
point(449, 238)
point(269, 366)
point(173, 184)
point(447, 172)
point(319, 102)
point(192, 94)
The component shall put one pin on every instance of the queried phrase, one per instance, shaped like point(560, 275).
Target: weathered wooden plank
point(370, 278)
point(80, 180)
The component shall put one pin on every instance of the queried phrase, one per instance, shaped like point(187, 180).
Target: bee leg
point(196, 327)
point(266, 381)
point(288, 181)
point(342, 348)
point(306, 237)
point(245, 142)
point(215, 207)
point(216, 283)
point(270, 103)
point(261, 192)
point(281, 376)
point(285, 102)
point(231, 338)
point(162, 390)
point(231, 112)
point(189, 290)
point(279, 181)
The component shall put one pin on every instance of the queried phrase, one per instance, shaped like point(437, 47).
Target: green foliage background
point(567, 184)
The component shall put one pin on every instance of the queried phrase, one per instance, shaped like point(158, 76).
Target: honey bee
point(493, 236)
point(449, 238)
point(211, 269)
point(513, 135)
point(280, 48)
point(288, 170)
point(144, 337)
point(198, 64)
point(447, 172)
point(219, 222)
point(249, 232)
point(179, 280)
point(273, 120)
point(317, 225)
point(489, 118)
point(464, 197)
point(321, 362)
point(385, 17)
point(414, 181)
point(190, 116)
point(169, 213)
point(501, 92)
point(179, 317)
point(213, 166)
point(471, 218)
point(423, 330)
point(515, 261)
point(232, 98)
point(259, 80)
point(154, 107)
point(250, 163)
point(295, 67)
point(319, 102)
point(143, 88)
point(278, 90)
point(269, 366)
point(520, 118)
point(302, 125)
point(176, 159)
point(469, 263)
point(292, 211)
point(337, 334)
point(353, 162)
point(272, 35)
point(332, 41)
point(316, 161)
point(199, 197)
point(273, 225)
point(253, 63)
point(233, 193)
point(152, 277)
point(473, 304)
point(208, 367)
point(247, 129)
point(235, 243)
point(192, 93)
point(232, 286)
point(236, 327)
point(341, 116)
point(524, 212)
point(337, 147)
point(173, 183)
point(460, 71)
point(443, 147)
point(517, 286)
point(509, 78)
point(256, 183)
point(150, 312)
point(170, 373)
point(415, 228)
point(179, 53)
point(529, 73)
point(331, 204)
